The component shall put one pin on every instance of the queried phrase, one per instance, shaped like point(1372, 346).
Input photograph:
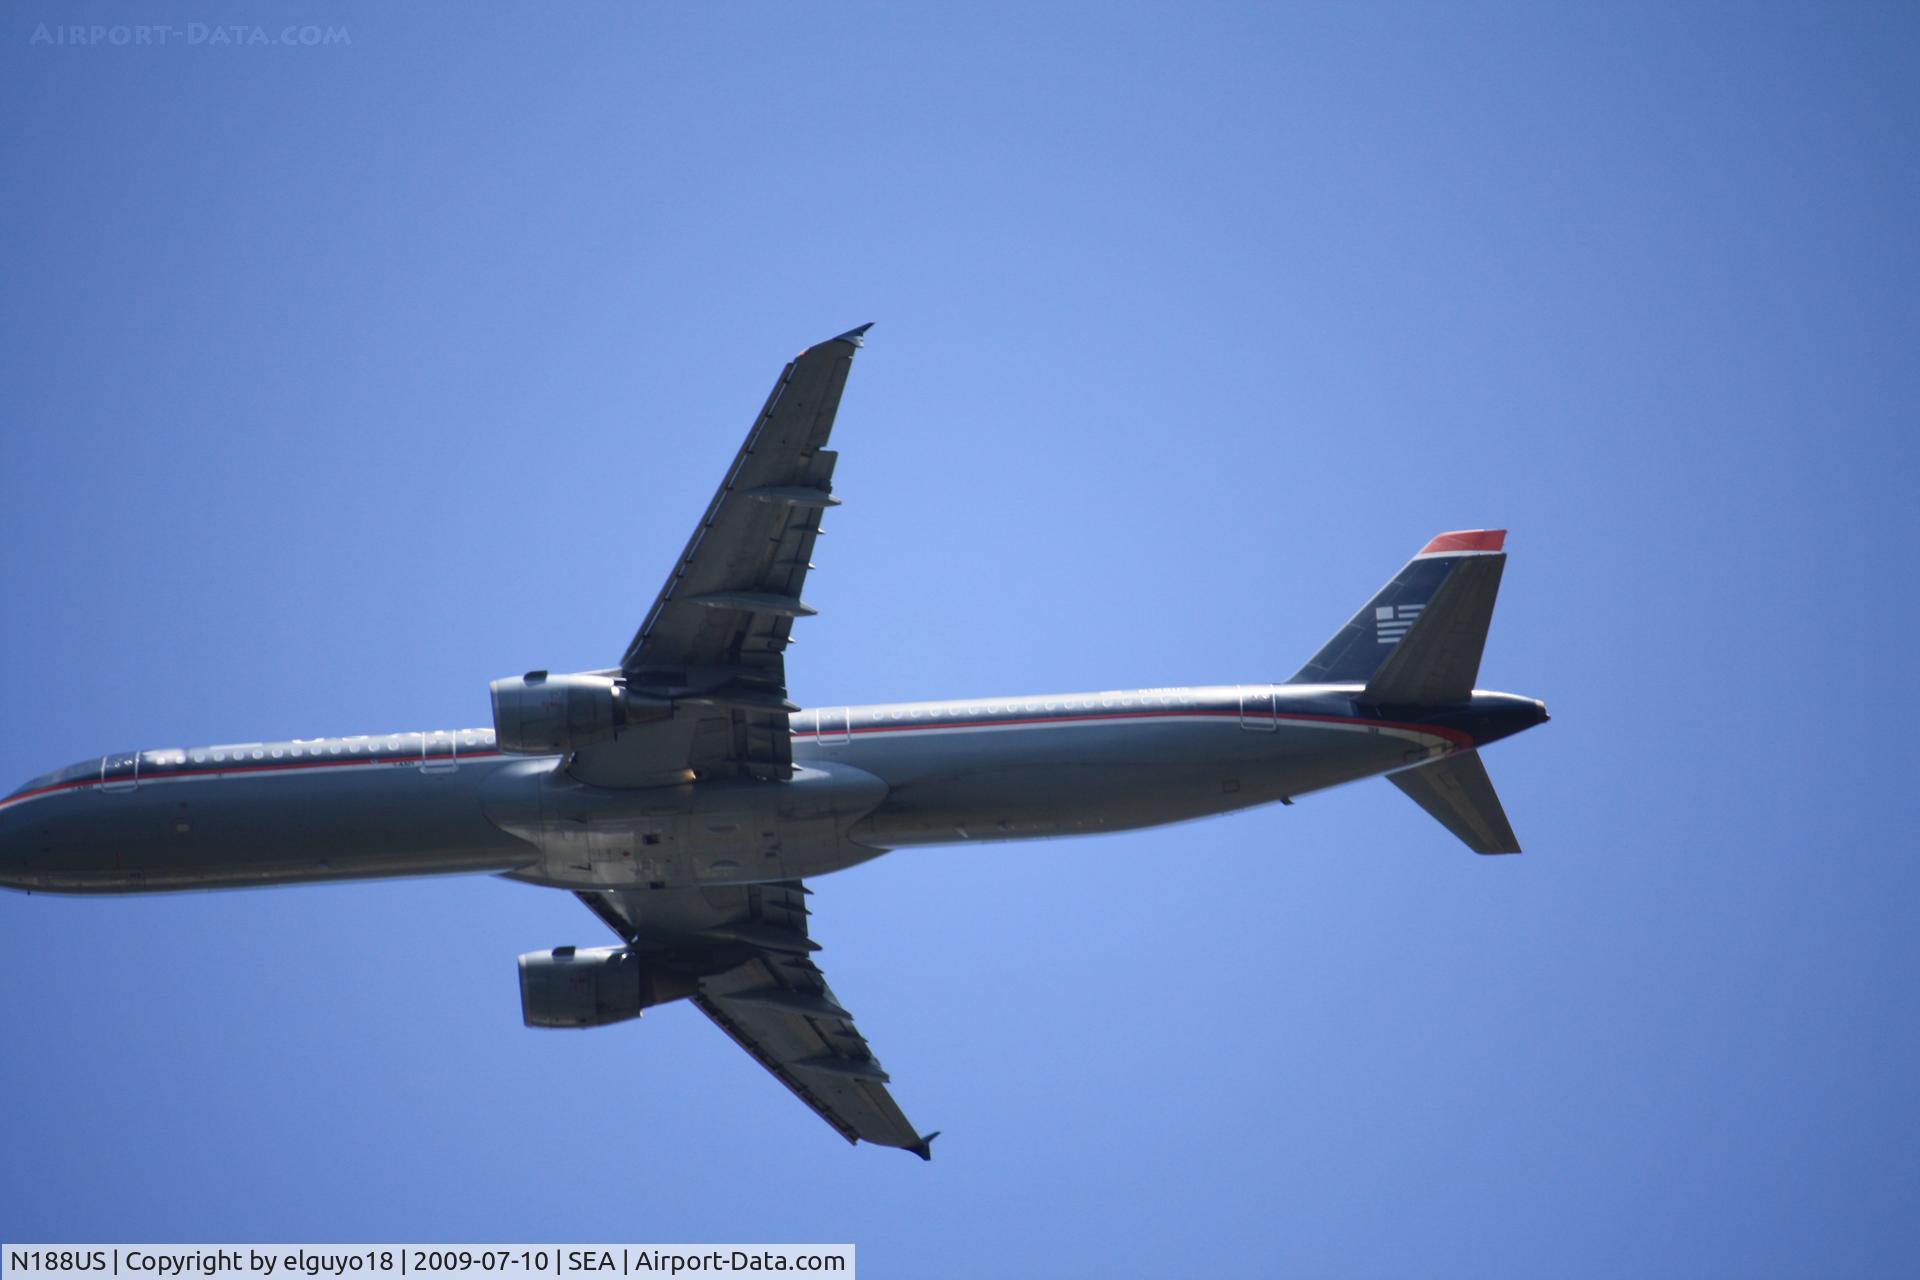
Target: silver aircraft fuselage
point(687, 800)
point(866, 779)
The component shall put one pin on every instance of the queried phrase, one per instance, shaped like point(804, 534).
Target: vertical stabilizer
point(1438, 659)
point(1369, 641)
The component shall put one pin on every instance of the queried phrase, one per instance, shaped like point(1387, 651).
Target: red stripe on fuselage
point(281, 766)
point(1454, 736)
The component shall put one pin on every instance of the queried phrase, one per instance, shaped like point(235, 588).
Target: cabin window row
point(322, 748)
point(1035, 706)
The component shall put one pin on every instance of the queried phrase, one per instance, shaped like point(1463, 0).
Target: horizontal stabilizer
point(1458, 793)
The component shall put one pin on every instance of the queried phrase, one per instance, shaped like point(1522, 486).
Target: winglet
point(924, 1147)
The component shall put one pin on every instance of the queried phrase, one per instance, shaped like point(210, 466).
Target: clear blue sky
point(341, 380)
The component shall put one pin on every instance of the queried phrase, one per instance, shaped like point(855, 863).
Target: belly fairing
point(722, 831)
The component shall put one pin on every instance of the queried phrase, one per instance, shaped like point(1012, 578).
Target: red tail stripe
point(1467, 540)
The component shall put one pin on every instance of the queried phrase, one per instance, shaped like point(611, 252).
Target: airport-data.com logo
point(198, 35)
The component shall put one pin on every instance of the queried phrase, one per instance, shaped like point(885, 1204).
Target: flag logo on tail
point(1390, 623)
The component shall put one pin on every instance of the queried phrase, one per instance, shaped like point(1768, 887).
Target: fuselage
point(866, 779)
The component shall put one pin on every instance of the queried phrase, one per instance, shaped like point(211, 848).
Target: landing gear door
point(1257, 710)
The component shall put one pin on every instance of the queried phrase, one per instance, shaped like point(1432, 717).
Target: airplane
point(687, 802)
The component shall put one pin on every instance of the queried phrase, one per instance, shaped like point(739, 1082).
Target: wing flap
point(744, 565)
point(714, 642)
point(777, 1009)
point(748, 949)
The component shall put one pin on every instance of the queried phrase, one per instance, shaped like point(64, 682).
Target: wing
point(747, 948)
point(712, 646)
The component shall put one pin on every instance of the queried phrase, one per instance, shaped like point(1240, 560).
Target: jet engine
point(540, 714)
point(591, 987)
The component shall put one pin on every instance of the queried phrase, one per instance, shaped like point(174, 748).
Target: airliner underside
point(687, 802)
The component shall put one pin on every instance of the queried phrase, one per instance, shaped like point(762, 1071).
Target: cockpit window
point(83, 771)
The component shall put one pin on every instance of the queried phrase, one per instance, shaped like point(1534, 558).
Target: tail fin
point(1457, 792)
point(1418, 641)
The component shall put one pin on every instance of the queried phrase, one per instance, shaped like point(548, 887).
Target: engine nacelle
point(539, 714)
point(591, 987)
